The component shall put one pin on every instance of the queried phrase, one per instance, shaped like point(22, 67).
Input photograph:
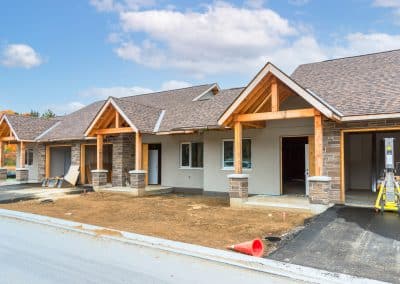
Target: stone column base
point(99, 179)
point(238, 189)
point(21, 174)
point(319, 187)
point(3, 174)
point(138, 184)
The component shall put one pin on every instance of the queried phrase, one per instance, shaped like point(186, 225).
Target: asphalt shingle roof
point(28, 127)
point(360, 85)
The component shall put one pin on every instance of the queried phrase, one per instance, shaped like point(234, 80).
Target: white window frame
point(190, 155)
point(223, 153)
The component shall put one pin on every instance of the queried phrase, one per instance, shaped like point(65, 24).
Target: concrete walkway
point(350, 240)
point(17, 192)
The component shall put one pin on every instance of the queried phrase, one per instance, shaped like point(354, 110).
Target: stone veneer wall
point(331, 149)
point(123, 157)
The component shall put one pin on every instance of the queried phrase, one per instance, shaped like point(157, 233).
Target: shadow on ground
point(350, 240)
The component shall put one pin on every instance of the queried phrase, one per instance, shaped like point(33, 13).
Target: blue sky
point(66, 54)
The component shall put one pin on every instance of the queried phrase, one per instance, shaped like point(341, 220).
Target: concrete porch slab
point(149, 191)
point(283, 201)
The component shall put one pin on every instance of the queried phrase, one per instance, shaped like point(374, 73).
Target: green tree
point(48, 114)
point(34, 113)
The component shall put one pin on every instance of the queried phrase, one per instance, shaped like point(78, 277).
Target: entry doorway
point(295, 165)
point(60, 160)
point(91, 162)
point(154, 164)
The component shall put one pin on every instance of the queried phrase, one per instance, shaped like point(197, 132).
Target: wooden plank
point(7, 139)
point(83, 164)
point(238, 148)
point(22, 155)
point(274, 97)
point(285, 114)
point(1, 154)
point(145, 162)
point(318, 134)
point(117, 120)
point(47, 163)
point(263, 102)
point(311, 155)
point(342, 169)
point(138, 151)
point(100, 140)
point(113, 130)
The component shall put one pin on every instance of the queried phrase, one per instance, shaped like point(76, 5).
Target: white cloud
point(359, 43)
point(118, 91)
point(299, 2)
point(119, 6)
point(174, 84)
point(387, 3)
point(20, 55)
point(63, 109)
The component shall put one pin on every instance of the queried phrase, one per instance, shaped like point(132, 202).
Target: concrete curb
point(269, 266)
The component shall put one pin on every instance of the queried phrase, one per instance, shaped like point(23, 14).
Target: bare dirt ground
point(207, 221)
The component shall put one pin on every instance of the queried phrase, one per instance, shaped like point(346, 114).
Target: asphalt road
point(34, 253)
point(350, 240)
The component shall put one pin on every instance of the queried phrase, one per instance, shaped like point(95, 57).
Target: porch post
point(319, 185)
point(238, 148)
point(3, 171)
point(99, 176)
point(21, 173)
point(138, 176)
point(238, 182)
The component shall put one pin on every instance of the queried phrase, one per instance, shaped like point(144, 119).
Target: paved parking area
point(349, 240)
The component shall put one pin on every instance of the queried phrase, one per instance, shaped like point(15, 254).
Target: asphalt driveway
point(350, 240)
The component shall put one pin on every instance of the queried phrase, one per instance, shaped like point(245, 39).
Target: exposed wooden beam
point(47, 161)
point(238, 148)
point(100, 139)
point(83, 164)
point(318, 134)
point(284, 114)
point(138, 151)
point(1, 154)
point(22, 155)
point(117, 120)
point(263, 102)
point(274, 97)
point(113, 130)
point(7, 139)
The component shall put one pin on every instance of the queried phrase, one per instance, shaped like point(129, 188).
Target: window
point(227, 154)
point(29, 157)
point(191, 155)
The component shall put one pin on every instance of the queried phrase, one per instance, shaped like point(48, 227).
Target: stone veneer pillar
point(99, 179)
point(3, 174)
point(138, 184)
point(238, 189)
point(319, 187)
point(21, 174)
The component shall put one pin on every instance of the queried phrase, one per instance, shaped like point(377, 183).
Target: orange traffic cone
point(254, 247)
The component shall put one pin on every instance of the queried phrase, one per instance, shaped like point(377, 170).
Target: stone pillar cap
point(138, 172)
point(21, 169)
point(99, 171)
point(320, 178)
point(238, 176)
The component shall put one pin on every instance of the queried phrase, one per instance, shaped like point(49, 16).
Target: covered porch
point(129, 155)
point(273, 96)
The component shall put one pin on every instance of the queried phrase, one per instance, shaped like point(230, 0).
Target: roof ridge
point(350, 56)
point(157, 92)
point(32, 117)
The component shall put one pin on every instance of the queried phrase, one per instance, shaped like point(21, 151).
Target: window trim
point(27, 151)
point(223, 152)
point(190, 156)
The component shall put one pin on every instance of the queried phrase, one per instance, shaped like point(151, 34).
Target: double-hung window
point(29, 157)
point(228, 154)
point(191, 155)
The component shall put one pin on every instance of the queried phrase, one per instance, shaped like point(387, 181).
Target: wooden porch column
point(138, 151)
point(318, 134)
point(1, 154)
point(47, 164)
point(22, 155)
point(238, 148)
point(100, 139)
point(274, 97)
